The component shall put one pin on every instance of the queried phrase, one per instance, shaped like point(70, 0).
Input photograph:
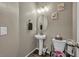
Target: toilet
point(59, 46)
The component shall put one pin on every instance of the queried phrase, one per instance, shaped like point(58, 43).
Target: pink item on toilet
point(58, 54)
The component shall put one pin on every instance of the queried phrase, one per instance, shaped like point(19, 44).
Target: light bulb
point(46, 9)
point(34, 11)
point(42, 9)
point(39, 11)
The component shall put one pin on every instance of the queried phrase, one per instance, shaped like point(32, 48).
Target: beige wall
point(27, 41)
point(9, 14)
point(62, 25)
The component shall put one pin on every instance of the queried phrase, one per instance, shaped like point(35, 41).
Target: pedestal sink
point(40, 38)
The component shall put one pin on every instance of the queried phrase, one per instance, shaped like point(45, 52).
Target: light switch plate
point(3, 31)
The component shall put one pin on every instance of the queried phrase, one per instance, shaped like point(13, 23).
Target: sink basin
point(41, 37)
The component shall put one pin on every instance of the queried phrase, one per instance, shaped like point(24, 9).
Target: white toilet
point(59, 45)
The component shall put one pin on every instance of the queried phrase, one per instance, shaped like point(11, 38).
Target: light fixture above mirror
point(41, 10)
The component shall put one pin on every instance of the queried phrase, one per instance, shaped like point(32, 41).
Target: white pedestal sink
point(40, 38)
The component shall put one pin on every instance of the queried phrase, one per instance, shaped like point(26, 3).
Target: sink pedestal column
point(40, 46)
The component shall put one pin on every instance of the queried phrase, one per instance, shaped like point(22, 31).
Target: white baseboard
point(30, 52)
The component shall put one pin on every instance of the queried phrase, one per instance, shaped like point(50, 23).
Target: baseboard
point(31, 52)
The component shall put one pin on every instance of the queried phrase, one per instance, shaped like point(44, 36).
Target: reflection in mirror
point(42, 23)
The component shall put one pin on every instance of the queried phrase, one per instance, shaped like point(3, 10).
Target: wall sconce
point(38, 11)
point(42, 10)
point(46, 9)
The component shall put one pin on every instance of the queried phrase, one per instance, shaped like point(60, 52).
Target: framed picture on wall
point(60, 7)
